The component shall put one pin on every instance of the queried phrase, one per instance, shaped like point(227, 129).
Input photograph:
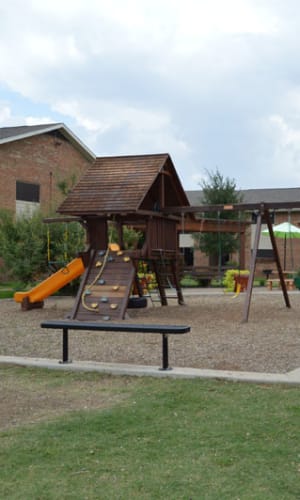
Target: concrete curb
point(291, 378)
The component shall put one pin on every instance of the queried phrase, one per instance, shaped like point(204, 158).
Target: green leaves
point(27, 242)
point(219, 190)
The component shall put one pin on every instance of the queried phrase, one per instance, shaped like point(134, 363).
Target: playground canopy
point(285, 230)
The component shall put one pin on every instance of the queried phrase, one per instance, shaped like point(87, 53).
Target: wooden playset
point(131, 191)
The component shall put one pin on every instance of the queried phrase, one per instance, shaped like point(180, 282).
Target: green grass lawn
point(168, 439)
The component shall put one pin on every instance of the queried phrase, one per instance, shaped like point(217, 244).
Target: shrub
point(24, 245)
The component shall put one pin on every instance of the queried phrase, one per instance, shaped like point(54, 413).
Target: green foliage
point(64, 241)
point(189, 281)
point(30, 249)
point(24, 245)
point(228, 280)
point(215, 191)
point(66, 185)
point(173, 439)
point(131, 237)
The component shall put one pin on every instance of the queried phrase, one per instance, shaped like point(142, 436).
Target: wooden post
point(97, 232)
point(277, 259)
point(162, 292)
point(252, 269)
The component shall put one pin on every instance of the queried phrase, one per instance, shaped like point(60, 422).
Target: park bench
point(163, 330)
point(289, 282)
point(202, 274)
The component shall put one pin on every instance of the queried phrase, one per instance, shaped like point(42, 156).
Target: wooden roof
point(126, 185)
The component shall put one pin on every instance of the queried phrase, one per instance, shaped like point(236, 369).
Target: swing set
point(217, 226)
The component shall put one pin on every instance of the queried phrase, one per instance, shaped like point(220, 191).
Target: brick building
point(35, 161)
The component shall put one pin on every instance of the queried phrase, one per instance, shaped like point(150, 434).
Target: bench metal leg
point(165, 352)
point(65, 346)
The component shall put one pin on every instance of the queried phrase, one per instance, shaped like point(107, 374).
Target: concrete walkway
point(291, 378)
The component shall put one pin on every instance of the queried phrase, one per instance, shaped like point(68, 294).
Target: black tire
point(137, 302)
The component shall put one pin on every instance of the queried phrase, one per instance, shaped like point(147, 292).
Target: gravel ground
point(269, 342)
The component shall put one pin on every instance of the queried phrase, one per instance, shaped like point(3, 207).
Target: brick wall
point(42, 159)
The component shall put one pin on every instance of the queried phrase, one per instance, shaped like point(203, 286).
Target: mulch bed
point(269, 342)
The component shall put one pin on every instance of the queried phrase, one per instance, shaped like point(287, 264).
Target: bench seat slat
point(116, 327)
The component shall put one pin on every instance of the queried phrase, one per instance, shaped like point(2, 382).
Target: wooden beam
point(235, 207)
point(49, 220)
point(213, 226)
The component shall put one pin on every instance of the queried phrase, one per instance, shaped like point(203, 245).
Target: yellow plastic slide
point(56, 281)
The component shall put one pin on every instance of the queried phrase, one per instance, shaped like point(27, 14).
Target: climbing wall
point(106, 287)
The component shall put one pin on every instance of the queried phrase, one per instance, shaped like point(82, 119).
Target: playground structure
point(145, 193)
point(124, 191)
point(127, 191)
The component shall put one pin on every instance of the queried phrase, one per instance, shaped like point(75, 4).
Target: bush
point(189, 281)
point(24, 247)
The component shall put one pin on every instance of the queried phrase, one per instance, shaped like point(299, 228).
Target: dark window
point(188, 255)
point(265, 254)
point(27, 192)
point(263, 220)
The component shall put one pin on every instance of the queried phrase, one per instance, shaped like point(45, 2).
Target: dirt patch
point(29, 395)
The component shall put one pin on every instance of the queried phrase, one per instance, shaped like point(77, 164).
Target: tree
point(25, 246)
point(216, 190)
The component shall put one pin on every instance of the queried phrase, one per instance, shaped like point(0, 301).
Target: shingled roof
point(10, 134)
point(126, 184)
point(263, 195)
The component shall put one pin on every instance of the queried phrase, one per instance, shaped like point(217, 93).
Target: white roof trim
point(50, 128)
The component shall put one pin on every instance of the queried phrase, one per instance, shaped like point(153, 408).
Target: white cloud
point(287, 135)
point(136, 76)
point(37, 120)
point(137, 129)
point(5, 114)
point(284, 160)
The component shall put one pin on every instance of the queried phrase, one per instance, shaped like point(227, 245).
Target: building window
point(188, 256)
point(27, 198)
point(265, 253)
point(27, 192)
point(263, 220)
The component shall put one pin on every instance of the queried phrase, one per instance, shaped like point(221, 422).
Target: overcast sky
point(215, 83)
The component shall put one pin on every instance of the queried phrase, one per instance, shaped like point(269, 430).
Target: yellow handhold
point(98, 263)
point(94, 305)
point(126, 259)
point(114, 247)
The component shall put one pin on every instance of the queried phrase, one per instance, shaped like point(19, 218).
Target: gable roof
point(271, 195)
point(10, 134)
point(264, 195)
point(125, 184)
